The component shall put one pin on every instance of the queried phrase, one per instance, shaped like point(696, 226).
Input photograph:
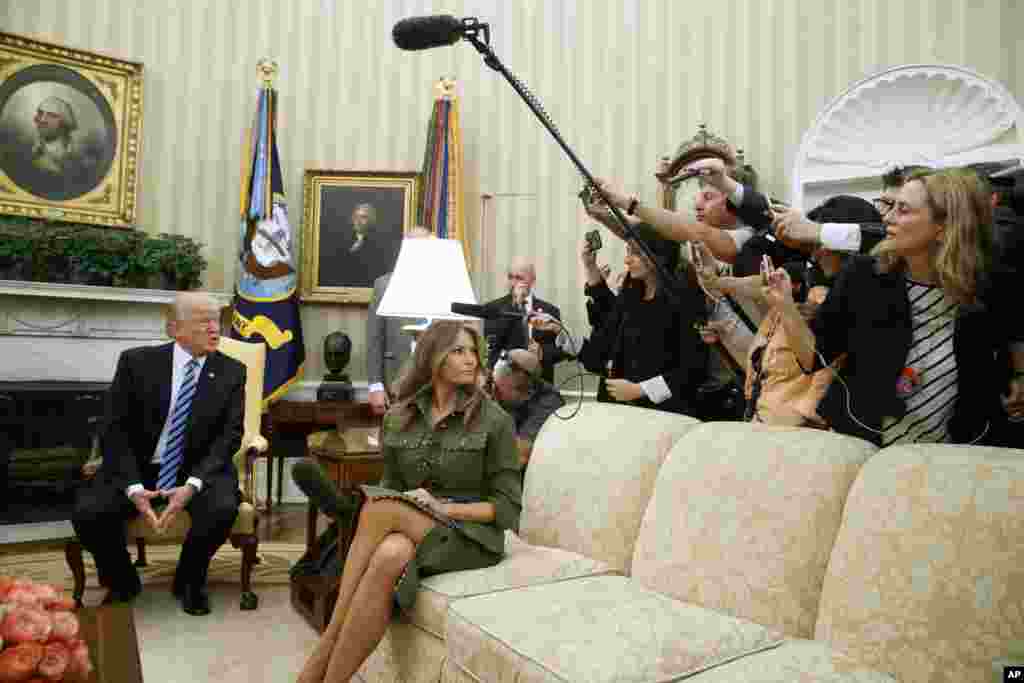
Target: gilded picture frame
point(70, 133)
point(352, 228)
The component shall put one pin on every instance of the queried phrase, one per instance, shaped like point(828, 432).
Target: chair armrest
point(252, 448)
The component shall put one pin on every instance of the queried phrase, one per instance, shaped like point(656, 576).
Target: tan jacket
point(789, 396)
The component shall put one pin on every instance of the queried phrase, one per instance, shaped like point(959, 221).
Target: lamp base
point(335, 391)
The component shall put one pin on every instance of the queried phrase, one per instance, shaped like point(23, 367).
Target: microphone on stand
point(423, 33)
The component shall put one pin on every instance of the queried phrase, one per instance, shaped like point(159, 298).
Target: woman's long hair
point(432, 349)
point(959, 202)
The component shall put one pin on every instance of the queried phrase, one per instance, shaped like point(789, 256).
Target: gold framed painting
point(70, 133)
point(352, 228)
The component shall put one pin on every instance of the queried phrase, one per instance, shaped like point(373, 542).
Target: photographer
point(646, 346)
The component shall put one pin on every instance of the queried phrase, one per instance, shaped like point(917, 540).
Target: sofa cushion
point(791, 662)
point(743, 518)
point(590, 478)
point(926, 580)
point(606, 628)
point(523, 565)
point(406, 654)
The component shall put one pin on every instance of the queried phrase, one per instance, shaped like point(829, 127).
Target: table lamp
point(429, 275)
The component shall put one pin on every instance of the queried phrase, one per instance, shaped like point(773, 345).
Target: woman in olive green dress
point(451, 487)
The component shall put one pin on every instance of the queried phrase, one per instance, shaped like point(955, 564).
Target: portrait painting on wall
point(353, 226)
point(70, 122)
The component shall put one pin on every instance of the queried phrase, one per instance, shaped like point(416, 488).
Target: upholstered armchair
point(244, 532)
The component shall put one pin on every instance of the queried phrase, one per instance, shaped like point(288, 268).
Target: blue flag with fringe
point(266, 306)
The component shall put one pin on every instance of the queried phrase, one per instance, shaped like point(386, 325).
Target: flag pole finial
point(266, 72)
point(445, 88)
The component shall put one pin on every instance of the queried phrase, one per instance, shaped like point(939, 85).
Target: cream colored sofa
point(656, 548)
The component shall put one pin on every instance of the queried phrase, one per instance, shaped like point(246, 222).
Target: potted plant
point(186, 262)
point(15, 258)
point(89, 263)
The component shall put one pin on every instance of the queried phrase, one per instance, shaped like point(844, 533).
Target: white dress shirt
point(180, 360)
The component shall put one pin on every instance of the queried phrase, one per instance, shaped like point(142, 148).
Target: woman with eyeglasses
point(645, 346)
point(921, 320)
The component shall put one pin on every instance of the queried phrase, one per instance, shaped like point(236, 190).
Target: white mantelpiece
point(76, 332)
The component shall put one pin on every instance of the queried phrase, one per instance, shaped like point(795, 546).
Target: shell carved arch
point(934, 115)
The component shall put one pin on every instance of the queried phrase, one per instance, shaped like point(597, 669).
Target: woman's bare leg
point(376, 520)
point(371, 608)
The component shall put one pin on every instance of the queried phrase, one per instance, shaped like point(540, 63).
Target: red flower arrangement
point(39, 639)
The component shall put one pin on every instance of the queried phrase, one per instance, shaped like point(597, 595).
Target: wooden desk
point(113, 644)
point(287, 424)
point(348, 461)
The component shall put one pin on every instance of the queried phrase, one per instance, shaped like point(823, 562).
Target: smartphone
point(593, 240)
point(766, 269)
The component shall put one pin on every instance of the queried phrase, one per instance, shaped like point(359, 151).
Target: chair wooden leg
point(140, 561)
point(248, 544)
point(73, 555)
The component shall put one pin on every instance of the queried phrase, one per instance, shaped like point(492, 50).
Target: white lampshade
point(429, 275)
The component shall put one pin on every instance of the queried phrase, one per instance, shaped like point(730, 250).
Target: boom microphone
point(423, 33)
point(323, 492)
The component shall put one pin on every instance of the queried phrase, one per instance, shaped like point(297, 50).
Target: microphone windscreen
point(422, 33)
point(323, 492)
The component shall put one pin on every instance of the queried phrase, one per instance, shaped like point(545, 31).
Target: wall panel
point(625, 81)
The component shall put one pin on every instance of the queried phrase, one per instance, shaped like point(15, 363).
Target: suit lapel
point(164, 370)
point(205, 388)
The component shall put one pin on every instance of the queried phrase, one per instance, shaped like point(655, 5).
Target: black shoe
point(195, 601)
point(323, 492)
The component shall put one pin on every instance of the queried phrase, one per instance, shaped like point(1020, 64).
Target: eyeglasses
point(883, 204)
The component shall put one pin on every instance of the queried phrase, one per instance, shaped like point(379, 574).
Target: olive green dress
point(451, 461)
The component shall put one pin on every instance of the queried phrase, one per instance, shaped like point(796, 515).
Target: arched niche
point(928, 114)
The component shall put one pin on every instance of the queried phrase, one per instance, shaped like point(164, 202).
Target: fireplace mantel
point(67, 332)
point(53, 290)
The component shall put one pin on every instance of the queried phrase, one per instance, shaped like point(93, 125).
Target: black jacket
point(867, 315)
point(504, 334)
point(139, 401)
point(648, 339)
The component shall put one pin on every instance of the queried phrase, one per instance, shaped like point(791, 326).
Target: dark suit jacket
point(387, 347)
point(867, 314)
point(138, 404)
point(504, 334)
point(648, 339)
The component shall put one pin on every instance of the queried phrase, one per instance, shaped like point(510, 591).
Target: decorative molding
point(54, 290)
point(929, 114)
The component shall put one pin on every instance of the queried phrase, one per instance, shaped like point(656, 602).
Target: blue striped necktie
point(174, 451)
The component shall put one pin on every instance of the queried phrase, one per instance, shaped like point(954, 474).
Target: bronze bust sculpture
point(336, 385)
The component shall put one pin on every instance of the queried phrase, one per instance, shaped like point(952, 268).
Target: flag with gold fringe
point(440, 208)
point(266, 306)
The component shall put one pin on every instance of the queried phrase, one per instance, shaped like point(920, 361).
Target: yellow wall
point(626, 81)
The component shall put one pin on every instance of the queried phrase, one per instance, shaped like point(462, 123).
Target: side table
point(113, 644)
point(349, 460)
point(286, 425)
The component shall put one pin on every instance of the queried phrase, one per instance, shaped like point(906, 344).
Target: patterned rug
point(51, 567)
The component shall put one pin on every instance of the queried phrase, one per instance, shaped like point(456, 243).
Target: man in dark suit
point(174, 423)
point(537, 336)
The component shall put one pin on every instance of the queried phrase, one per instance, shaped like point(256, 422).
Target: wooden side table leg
point(270, 481)
point(280, 477)
point(311, 514)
